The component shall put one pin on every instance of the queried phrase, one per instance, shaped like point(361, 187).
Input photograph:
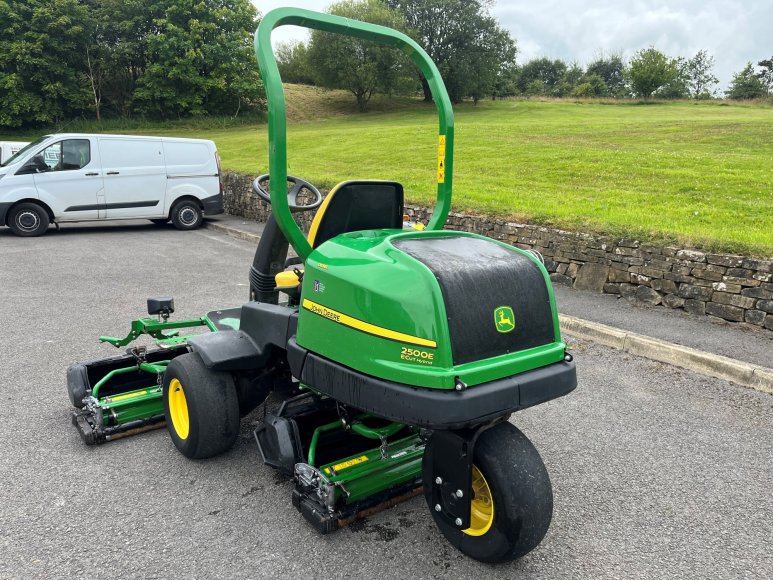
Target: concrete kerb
point(747, 375)
point(705, 363)
point(233, 232)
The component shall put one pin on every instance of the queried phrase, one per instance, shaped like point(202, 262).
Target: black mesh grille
point(476, 277)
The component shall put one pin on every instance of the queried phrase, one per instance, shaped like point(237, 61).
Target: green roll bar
point(277, 124)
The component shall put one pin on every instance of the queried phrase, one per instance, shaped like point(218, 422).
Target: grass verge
point(696, 174)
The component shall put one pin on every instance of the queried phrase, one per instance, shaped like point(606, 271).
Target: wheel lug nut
point(459, 493)
point(458, 521)
point(438, 480)
point(437, 507)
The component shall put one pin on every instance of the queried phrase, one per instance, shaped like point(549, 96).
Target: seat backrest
point(358, 205)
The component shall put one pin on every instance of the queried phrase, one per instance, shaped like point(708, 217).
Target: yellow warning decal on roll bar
point(441, 158)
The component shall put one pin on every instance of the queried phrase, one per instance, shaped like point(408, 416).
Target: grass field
point(699, 174)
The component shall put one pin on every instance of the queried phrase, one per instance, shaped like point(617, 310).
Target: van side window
point(64, 156)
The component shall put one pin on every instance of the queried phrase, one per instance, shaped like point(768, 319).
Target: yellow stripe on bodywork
point(366, 327)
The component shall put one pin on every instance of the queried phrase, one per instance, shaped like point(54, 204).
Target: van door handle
point(91, 174)
point(112, 173)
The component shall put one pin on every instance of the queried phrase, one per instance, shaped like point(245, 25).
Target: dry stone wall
point(731, 287)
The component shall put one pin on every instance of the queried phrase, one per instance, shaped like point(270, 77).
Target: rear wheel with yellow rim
point(512, 497)
point(201, 407)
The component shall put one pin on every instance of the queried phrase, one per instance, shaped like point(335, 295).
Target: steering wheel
point(292, 195)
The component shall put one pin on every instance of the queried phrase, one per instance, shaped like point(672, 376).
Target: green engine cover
point(428, 308)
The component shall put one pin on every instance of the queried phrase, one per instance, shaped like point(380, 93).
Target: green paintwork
point(376, 432)
point(364, 479)
point(369, 279)
point(362, 274)
point(230, 322)
point(277, 124)
point(153, 368)
point(129, 406)
point(161, 330)
point(133, 405)
point(402, 462)
point(315, 438)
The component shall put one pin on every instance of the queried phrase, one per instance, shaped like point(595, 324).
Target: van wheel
point(28, 220)
point(187, 215)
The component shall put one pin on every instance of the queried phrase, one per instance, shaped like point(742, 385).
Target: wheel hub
point(187, 216)
point(178, 409)
point(27, 220)
point(481, 506)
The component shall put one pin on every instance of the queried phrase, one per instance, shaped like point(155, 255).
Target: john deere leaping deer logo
point(504, 319)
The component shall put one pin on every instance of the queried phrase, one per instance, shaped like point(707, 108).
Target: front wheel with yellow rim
point(201, 407)
point(512, 497)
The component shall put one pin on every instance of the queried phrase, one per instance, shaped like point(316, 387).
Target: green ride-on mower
point(399, 354)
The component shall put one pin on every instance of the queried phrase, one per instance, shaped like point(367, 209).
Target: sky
point(733, 31)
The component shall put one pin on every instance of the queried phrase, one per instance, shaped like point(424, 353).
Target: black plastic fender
point(228, 351)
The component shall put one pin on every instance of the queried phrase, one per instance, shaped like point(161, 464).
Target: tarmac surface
point(657, 472)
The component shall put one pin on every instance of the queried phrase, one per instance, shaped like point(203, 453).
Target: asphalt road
point(657, 472)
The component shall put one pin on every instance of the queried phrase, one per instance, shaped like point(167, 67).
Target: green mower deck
point(121, 396)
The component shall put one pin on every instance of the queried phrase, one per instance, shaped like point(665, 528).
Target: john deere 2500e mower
point(401, 354)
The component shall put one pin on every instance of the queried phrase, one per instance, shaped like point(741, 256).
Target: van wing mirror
point(27, 168)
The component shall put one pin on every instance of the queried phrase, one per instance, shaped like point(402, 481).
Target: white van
point(10, 148)
point(71, 177)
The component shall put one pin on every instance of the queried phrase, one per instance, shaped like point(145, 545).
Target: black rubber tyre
point(28, 219)
point(211, 409)
point(187, 215)
point(77, 384)
point(520, 489)
point(161, 221)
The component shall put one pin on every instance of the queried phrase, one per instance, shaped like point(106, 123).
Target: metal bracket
point(452, 473)
point(452, 460)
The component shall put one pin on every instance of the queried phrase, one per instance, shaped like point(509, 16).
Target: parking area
point(657, 472)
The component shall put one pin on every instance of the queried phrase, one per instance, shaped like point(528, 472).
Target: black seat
point(352, 206)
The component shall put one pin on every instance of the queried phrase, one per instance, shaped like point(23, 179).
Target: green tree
point(42, 61)
point(591, 85)
point(200, 60)
point(359, 66)
point(766, 75)
point(293, 62)
point(678, 86)
point(468, 46)
point(506, 83)
point(650, 70)
point(481, 68)
point(542, 76)
point(746, 85)
point(569, 80)
point(701, 81)
point(612, 70)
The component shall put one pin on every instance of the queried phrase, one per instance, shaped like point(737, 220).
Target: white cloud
point(290, 33)
point(733, 31)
